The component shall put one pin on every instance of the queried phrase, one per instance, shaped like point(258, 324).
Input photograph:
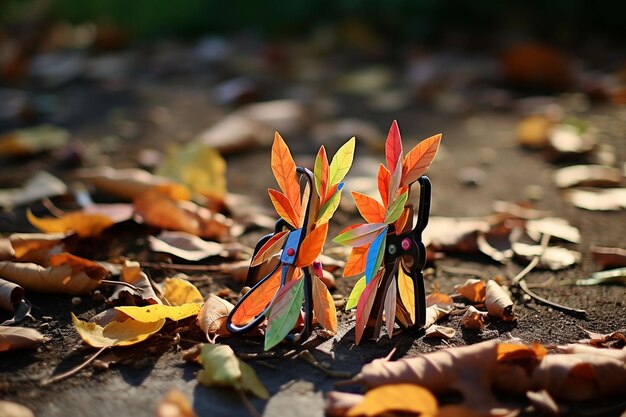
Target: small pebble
point(245, 290)
point(471, 176)
point(97, 296)
point(488, 156)
point(44, 326)
point(76, 300)
point(527, 297)
point(534, 192)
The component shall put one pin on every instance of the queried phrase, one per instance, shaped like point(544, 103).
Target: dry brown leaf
point(41, 185)
point(130, 183)
point(439, 299)
point(440, 332)
point(174, 404)
point(615, 339)
point(518, 211)
point(552, 257)
point(11, 409)
point(588, 176)
point(145, 294)
point(609, 257)
point(212, 317)
point(160, 210)
point(472, 289)
point(185, 245)
point(14, 337)
point(83, 224)
point(612, 199)
point(32, 247)
point(553, 226)
point(10, 295)
point(498, 302)
point(447, 234)
point(435, 313)
point(473, 319)
point(66, 274)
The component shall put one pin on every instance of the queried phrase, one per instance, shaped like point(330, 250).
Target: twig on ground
point(181, 267)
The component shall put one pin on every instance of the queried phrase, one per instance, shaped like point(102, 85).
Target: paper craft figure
point(388, 249)
point(286, 288)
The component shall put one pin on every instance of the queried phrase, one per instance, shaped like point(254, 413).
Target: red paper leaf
point(364, 306)
point(270, 248)
point(393, 146)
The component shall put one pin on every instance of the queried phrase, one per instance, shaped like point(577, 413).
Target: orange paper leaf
point(371, 210)
point(324, 306)
point(384, 176)
point(255, 303)
point(284, 208)
point(393, 146)
point(284, 169)
point(312, 246)
point(419, 159)
point(271, 247)
point(355, 264)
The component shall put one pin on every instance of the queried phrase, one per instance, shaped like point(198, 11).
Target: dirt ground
point(133, 386)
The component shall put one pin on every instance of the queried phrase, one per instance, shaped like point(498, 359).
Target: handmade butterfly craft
point(284, 275)
point(388, 249)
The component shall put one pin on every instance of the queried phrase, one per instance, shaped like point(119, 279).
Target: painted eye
point(392, 249)
point(406, 243)
point(291, 251)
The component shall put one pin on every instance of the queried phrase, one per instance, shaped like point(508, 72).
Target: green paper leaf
point(341, 162)
point(223, 369)
point(284, 312)
point(353, 299)
point(396, 208)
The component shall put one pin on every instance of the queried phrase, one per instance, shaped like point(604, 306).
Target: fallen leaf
point(31, 247)
point(533, 131)
point(498, 302)
point(185, 245)
point(338, 403)
point(113, 328)
point(41, 185)
point(611, 276)
point(174, 404)
point(67, 274)
point(567, 141)
point(612, 340)
point(11, 409)
point(145, 294)
point(400, 398)
point(472, 289)
point(212, 317)
point(440, 332)
point(14, 337)
point(223, 369)
point(435, 313)
point(553, 226)
point(83, 224)
point(156, 312)
point(518, 211)
point(553, 257)
point(611, 199)
point(130, 183)
point(588, 176)
point(178, 291)
point(10, 295)
point(438, 299)
point(609, 257)
point(33, 140)
point(447, 234)
point(473, 319)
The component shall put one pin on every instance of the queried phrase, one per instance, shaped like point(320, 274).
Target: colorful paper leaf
point(284, 169)
point(359, 235)
point(396, 208)
point(375, 255)
point(355, 294)
point(364, 307)
point(156, 312)
point(419, 159)
point(371, 210)
point(255, 303)
point(284, 313)
point(324, 306)
point(407, 292)
point(384, 177)
point(355, 264)
point(270, 248)
point(393, 146)
point(312, 246)
point(341, 162)
point(390, 306)
point(400, 224)
point(320, 172)
point(394, 183)
point(285, 208)
point(328, 209)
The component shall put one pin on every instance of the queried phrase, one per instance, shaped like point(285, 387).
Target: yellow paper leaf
point(119, 331)
point(404, 398)
point(178, 291)
point(83, 224)
point(152, 313)
point(341, 162)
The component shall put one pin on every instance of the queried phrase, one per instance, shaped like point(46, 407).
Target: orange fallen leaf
point(473, 290)
point(402, 398)
point(83, 224)
point(473, 319)
point(31, 247)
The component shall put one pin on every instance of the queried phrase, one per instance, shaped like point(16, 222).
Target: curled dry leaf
point(41, 185)
point(615, 339)
point(472, 289)
point(14, 337)
point(609, 257)
point(553, 226)
point(10, 295)
point(396, 398)
point(114, 328)
point(130, 183)
point(473, 319)
point(518, 211)
point(174, 404)
point(31, 247)
point(178, 291)
point(440, 332)
point(588, 176)
point(612, 199)
point(212, 317)
point(435, 313)
point(552, 257)
point(439, 299)
point(66, 274)
point(144, 294)
point(185, 245)
point(498, 302)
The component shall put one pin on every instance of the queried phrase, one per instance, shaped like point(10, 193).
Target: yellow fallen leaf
point(404, 398)
point(83, 224)
point(178, 291)
point(150, 314)
point(118, 330)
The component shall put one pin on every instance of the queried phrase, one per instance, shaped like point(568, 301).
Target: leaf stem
point(74, 370)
